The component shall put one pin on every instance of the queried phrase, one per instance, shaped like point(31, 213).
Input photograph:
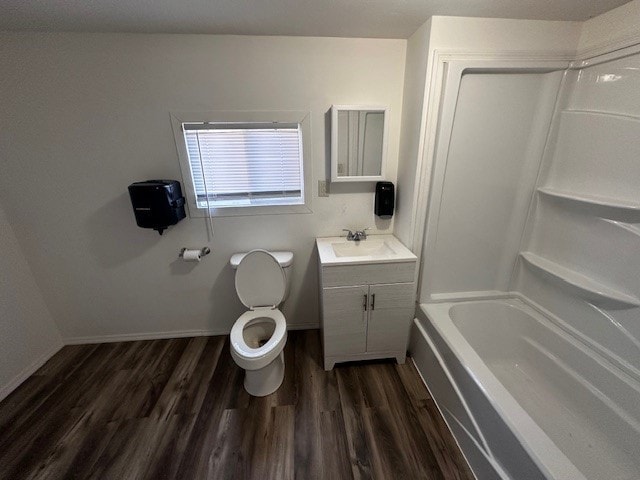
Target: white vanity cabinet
point(344, 320)
point(391, 309)
point(366, 308)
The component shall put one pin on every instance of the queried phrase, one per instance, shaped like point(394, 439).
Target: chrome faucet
point(357, 236)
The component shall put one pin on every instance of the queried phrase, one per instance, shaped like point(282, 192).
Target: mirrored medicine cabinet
point(358, 143)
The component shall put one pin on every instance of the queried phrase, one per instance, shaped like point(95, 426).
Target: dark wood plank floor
point(176, 409)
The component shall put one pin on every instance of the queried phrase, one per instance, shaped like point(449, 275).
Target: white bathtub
point(525, 399)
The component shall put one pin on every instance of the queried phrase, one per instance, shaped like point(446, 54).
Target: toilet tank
point(285, 259)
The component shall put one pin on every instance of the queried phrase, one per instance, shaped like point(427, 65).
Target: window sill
point(249, 211)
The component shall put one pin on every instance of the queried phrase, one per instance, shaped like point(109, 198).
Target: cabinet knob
point(373, 301)
point(364, 303)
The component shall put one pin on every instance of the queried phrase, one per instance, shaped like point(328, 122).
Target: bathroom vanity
point(367, 298)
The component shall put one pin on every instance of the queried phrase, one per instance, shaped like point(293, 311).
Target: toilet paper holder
point(203, 251)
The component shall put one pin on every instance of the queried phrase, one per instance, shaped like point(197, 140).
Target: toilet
point(258, 336)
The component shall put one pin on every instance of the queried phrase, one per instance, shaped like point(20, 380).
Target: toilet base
point(266, 380)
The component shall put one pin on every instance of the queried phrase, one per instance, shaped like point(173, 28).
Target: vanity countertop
point(375, 249)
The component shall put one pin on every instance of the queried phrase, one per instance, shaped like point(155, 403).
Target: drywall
point(28, 335)
point(413, 118)
point(84, 115)
point(614, 29)
point(491, 35)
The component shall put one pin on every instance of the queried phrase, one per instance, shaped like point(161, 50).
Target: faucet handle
point(363, 233)
point(349, 234)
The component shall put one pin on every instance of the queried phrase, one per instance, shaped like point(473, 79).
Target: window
point(235, 165)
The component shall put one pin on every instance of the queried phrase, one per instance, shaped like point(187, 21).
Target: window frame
point(300, 117)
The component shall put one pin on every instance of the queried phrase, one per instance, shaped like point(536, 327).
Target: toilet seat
point(250, 358)
point(260, 280)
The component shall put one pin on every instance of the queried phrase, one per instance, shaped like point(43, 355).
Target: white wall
point(84, 115)
point(411, 138)
point(616, 28)
point(503, 35)
point(28, 335)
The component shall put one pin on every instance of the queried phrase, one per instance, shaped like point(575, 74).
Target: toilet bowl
point(259, 335)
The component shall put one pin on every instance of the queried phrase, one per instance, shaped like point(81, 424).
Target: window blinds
point(245, 164)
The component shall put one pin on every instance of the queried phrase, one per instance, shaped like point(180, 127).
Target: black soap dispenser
point(385, 197)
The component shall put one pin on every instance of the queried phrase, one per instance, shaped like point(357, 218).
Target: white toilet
point(259, 335)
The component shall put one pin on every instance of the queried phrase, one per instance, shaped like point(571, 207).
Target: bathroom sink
point(362, 248)
point(375, 249)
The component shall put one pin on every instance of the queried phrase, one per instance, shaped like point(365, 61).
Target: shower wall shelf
point(582, 285)
point(632, 229)
point(593, 200)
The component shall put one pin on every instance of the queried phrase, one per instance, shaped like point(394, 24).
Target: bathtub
point(524, 399)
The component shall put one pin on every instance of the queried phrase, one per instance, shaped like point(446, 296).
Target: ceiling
point(334, 18)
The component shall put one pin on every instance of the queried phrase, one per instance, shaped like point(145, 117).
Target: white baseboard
point(130, 337)
point(5, 390)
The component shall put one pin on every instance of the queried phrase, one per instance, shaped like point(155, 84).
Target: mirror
point(358, 143)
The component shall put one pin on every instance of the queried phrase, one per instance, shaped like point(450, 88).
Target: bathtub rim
point(481, 448)
point(546, 455)
point(604, 355)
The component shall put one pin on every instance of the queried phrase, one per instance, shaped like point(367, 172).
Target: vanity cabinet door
point(345, 320)
point(391, 309)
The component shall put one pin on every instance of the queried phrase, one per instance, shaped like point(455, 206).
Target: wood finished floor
point(176, 409)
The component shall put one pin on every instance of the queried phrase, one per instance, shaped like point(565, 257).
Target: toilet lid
point(260, 280)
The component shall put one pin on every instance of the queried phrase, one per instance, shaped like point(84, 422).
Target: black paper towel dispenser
point(157, 203)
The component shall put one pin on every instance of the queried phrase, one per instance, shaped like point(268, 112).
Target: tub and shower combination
point(528, 329)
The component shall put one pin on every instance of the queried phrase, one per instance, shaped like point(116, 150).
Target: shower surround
point(528, 332)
